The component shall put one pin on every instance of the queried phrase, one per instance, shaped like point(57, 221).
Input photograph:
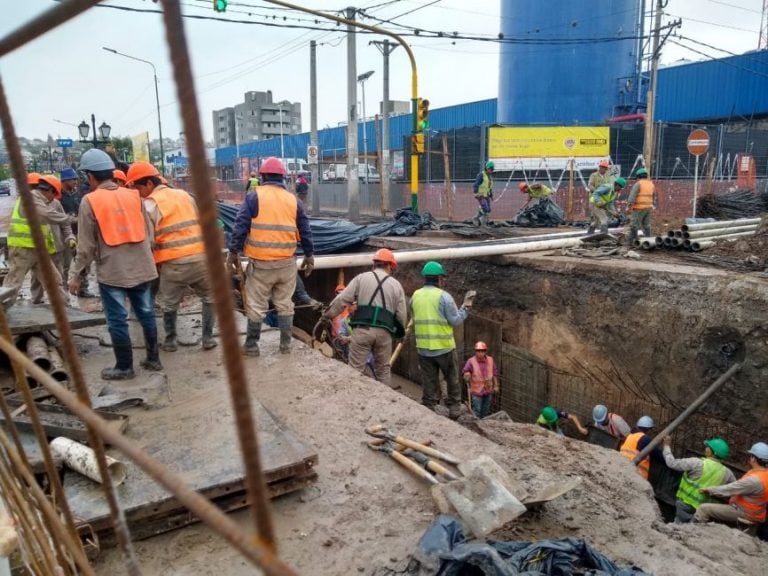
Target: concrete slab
point(30, 318)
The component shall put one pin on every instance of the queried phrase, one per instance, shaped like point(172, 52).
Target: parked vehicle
point(338, 172)
point(5, 188)
point(297, 167)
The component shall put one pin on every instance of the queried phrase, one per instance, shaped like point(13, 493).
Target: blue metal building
point(565, 65)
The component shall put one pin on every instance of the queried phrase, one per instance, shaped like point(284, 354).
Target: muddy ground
point(367, 514)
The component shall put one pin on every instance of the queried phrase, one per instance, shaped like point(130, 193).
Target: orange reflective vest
point(644, 198)
point(178, 233)
point(753, 506)
point(629, 450)
point(273, 234)
point(481, 383)
point(119, 214)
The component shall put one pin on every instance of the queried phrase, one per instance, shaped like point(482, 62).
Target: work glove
point(233, 260)
point(469, 297)
point(467, 376)
point(308, 265)
point(71, 243)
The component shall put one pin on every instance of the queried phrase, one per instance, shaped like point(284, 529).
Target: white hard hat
point(599, 413)
point(645, 422)
point(95, 160)
point(759, 450)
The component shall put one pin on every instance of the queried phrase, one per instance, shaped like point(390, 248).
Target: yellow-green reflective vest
point(432, 331)
point(484, 190)
point(689, 492)
point(20, 234)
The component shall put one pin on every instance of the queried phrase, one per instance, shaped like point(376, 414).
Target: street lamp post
point(104, 131)
point(157, 101)
point(237, 146)
point(282, 146)
point(362, 78)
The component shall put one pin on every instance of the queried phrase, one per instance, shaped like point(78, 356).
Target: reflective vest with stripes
point(481, 382)
point(753, 506)
point(644, 198)
point(629, 450)
point(689, 492)
point(273, 234)
point(253, 183)
point(178, 234)
point(119, 214)
point(432, 330)
point(20, 234)
point(484, 190)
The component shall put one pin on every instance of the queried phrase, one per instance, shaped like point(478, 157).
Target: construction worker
point(120, 177)
point(609, 422)
point(267, 227)
point(482, 375)
point(63, 240)
point(114, 230)
point(434, 315)
point(550, 418)
point(602, 205)
point(252, 182)
point(599, 178)
point(637, 441)
point(698, 473)
point(381, 314)
point(748, 496)
point(302, 188)
point(70, 202)
point(482, 188)
point(178, 250)
point(641, 201)
point(535, 191)
point(21, 248)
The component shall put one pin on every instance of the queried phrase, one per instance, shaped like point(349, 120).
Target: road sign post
point(698, 144)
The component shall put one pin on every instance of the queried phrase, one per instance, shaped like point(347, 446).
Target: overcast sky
point(65, 75)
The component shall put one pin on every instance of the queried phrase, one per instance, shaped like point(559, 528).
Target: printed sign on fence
point(536, 142)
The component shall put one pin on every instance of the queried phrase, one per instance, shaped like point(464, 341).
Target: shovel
point(389, 448)
point(379, 431)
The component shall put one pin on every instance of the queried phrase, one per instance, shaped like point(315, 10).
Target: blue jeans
point(481, 405)
point(485, 204)
point(116, 312)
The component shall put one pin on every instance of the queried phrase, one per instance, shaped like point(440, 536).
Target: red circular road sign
point(698, 142)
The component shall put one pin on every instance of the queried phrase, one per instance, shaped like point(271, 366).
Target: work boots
point(152, 361)
point(285, 323)
point(252, 336)
point(484, 220)
point(123, 369)
point(169, 324)
point(208, 321)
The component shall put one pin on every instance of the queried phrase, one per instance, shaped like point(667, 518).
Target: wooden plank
point(26, 319)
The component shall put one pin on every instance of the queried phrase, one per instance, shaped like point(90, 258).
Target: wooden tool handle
point(426, 450)
point(440, 470)
point(413, 467)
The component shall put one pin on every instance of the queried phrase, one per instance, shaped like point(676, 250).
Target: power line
point(735, 6)
point(715, 24)
point(722, 61)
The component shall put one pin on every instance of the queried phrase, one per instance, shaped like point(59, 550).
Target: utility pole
point(385, 47)
point(313, 125)
point(353, 182)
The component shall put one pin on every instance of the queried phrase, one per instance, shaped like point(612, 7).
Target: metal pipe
point(720, 224)
point(686, 413)
point(668, 242)
point(699, 246)
point(678, 233)
point(659, 241)
point(637, 243)
point(648, 245)
point(676, 242)
point(670, 233)
point(724, 237)
point(58, 370)
point(37, 350)
point(720, 231)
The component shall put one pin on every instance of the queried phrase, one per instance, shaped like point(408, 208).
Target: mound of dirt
point(751, 250)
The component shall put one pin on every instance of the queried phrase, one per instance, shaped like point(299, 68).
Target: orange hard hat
point(272, 165)
point(604, 164)
point(480, 345)
point(53, 182)
point(385, 255)
point(340, 288)
point(119, 176)
point(141, 170)
point(33, 178)
point(523, 186)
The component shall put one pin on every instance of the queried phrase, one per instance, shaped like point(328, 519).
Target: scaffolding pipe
point(720, 224)
point(719, 231)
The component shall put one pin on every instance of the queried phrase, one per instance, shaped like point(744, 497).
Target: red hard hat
point(119, 176)
point(385, 255)
point(33, 178)
point(53, 182)
point(480, 345)
point(523, 186)
point(141, 170)
point(604, 164)
point(272, 165)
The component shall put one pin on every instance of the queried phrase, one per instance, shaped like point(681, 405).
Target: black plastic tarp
point(543, 213)
point(444, 551)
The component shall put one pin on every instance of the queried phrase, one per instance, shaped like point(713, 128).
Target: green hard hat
point(490, 165)
point(641, 172)
point(620, 181)
point(719, 447)
point(433, 268)
point(549, 414)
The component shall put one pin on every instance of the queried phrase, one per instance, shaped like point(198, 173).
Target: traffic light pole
point(414, 80)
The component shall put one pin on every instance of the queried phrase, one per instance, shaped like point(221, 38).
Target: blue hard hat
point(67, 174)
point(599, 413)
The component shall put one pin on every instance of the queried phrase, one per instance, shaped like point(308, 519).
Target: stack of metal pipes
point(698, 237)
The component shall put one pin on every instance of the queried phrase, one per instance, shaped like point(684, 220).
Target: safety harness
point(378, 316)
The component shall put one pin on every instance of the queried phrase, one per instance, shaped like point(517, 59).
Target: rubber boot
point(152, 361)
point(476, 219)
point(484, 220)
point(285, 324)
point(252, 336)
point(123, 369)
point(169, 324)
point(208, 321)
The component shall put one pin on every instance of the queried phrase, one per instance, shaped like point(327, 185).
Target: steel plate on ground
point(26, 319)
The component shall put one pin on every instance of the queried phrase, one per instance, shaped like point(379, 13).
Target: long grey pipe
point(720, 224)
point(719, 231)
point(686, 413)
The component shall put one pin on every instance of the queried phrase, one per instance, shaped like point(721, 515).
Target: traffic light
point(219, 5)
point(417, 143)
point(422, 121)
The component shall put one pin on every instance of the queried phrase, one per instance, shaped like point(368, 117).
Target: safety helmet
point(141, 170)
point(272, 165)
point(599, 413)
point(620, 181)
point(95, 160)
point(33, 178)
point(67, 174)
point(253, 174)
point(480, 345)
point(759, 451)
point(549, 414)
point(340, 288)
point(641, 172)
point(646, 422)
point(433, 268)
point(523, 186)
point(385, 255)
point(603, 164)
point(53, 182)
point(719, 447)
point(490, 165)
point(119, 176)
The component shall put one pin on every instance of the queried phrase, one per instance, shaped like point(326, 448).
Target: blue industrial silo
point(570, 61)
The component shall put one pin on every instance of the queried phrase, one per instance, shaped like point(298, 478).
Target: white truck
point(338, 172)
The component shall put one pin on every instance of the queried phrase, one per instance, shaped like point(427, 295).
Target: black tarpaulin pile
point(543, 213)
point(444, 551)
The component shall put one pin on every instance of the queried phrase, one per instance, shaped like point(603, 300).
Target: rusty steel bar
point(252, 548)
point(225, 308)
point(56, 300)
